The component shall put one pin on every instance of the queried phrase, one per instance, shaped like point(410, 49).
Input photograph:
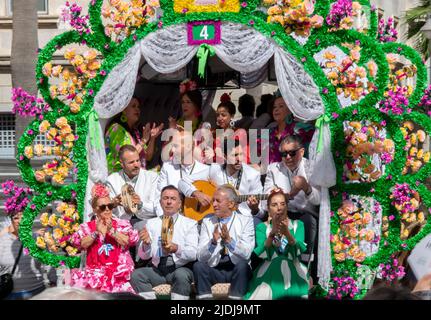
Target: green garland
point(113, 53)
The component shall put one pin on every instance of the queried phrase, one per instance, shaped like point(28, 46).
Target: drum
point(167, 230)
point(127, 192)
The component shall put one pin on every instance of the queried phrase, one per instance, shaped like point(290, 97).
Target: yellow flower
point(413, 138)
point(63, 171)
point(70, 137)
point(61, 122)
point(77, 60)
point(420, 154)
point(413, 151)
point(40, 243)
point(69, 54)
point(52, 222)
point(53, 91)
point(71, 251)
point(44, 126)
point(62, 206)
point(340, 256)
point(416, 165)
point(28, 152)
point(421, 136)
point(274, 10)
point(51, 133)
point(421, 217)
point(90, 55)
point(389, 145)
point(38, 150)
point(44, 219)
point(57, 70)
point(426, 157)
point(356, 125)
point(372, 68)
point(57, 233)
point(74, 107)
point(57, 178)
point(75, 227)
point(330, 64)
point(65, 130)
point(93, 65)
point(47, 69)
point(404, 132)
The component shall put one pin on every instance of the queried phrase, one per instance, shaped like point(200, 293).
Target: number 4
point(204, 33)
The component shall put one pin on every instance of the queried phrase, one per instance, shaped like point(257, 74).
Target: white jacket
point(250, 183)
point(241, 232)
point(144, 185)
point(185, 236)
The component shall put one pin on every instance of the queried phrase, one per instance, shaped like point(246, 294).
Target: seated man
point(181, 166)
point(244, 178)
point(170, 260)
point(291, 175)
point(143, 182)
point(226, 242)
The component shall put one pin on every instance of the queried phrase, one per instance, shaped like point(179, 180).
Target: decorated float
point(335, 63)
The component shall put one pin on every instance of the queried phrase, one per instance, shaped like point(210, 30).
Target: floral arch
point(335, 64)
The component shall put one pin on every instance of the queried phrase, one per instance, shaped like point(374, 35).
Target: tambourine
point(167, 230)
point(127, 192)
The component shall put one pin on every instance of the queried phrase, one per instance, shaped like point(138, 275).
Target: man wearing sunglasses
point(144, 183)
point(291, 175)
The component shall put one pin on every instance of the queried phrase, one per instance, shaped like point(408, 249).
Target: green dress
point(117, 136)
point(281, 274)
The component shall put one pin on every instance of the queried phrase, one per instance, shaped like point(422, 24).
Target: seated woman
point(106, 240)
point(280, 243)
point(124, 129)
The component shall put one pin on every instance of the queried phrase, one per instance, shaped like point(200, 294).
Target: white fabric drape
point(245, 50)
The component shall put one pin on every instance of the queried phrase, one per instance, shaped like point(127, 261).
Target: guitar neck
point(259, 197)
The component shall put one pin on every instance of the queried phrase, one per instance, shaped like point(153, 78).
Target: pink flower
point(244, 4)
point(391, 217)
point(335, 115)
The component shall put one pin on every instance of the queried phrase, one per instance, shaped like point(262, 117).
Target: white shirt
point(250, 183)
point(281, 176)
point(171, 174)
point(145, 186)
point(185, 236)
point(241, 231)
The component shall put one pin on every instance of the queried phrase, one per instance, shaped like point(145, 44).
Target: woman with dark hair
point(285, 125)
point(106, 241)
point(191, 106)
point(279, 242)
point(124, 129)
point(225, 113)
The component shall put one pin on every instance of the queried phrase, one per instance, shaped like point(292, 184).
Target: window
point(7, 135)
point(42, 6)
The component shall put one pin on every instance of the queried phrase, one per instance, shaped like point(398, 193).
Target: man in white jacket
point(171, 261)
point(226, 242)
point(144, 183)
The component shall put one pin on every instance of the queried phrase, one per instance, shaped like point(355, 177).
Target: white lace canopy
point(245, 50)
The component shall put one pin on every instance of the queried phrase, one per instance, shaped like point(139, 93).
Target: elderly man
point(181, 166)
point(171, 260)
point(143, 182)
point(226, 242)
point(292, 176)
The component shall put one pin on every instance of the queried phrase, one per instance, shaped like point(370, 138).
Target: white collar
point(292, 172)
point(127, 178)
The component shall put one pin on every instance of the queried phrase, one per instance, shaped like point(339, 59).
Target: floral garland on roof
point(373, 59)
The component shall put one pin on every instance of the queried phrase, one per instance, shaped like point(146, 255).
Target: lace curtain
point(244, 50)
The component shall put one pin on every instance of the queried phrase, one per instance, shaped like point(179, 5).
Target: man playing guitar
point(244, 178)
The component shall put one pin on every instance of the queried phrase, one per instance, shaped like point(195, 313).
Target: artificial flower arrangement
point(58, 229)
point(294, 15)
point(342, 15)
point(387, 31)
point(398, 76)
point(368, 151)
point(417, 157)
point(190, 6)
point(58, 169)
point(409, 205)
point(425, 103)
point(391, 272)
point(17, 197)
point(27, 105)
point(70, 18)
point(343, 287)
point(126, 16)
point(72, 82)
point(358, 234)
point(348, 78)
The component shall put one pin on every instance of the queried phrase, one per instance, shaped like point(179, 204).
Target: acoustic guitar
point(193, 209)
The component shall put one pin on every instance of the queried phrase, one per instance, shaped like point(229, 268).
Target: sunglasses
point(291, 153)
point(104, 206)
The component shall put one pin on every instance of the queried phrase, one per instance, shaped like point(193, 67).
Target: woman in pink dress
point(106, 241)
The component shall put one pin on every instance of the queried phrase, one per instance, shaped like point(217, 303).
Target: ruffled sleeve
point(83, 231)
point(125, 227)
point(115, 137)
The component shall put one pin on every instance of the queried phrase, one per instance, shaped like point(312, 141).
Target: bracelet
point(94, 235)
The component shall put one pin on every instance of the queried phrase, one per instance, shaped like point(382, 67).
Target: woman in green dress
point(124, 129)
point(280, 243)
